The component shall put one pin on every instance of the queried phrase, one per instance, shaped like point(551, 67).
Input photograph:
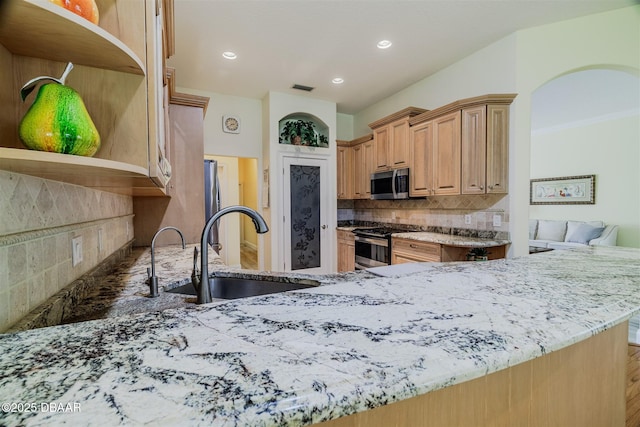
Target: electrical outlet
point(497, 220)
point(99, 239)
point(76, 250)
point(467, 219)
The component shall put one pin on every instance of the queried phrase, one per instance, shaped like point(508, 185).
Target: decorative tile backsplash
point(446, 212)
point(39, 220)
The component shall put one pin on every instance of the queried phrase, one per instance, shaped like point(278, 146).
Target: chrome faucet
point(152, 280)
point(200, 280)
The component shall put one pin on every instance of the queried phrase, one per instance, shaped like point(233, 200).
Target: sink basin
point(235, 287)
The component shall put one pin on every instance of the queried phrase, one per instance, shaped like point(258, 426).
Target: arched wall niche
point(303, 129)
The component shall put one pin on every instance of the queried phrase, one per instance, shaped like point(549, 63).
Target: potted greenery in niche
point(302, 132)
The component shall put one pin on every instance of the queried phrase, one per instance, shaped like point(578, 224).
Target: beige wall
point(39, 220)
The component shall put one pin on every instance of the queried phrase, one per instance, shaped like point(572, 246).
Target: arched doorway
point(587, 122)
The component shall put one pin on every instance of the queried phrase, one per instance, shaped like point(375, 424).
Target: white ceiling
point(309, 42)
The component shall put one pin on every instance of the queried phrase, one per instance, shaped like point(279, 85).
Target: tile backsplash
point(447, 212)
point(39, 219)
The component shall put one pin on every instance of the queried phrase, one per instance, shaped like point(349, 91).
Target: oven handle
point(377, 242)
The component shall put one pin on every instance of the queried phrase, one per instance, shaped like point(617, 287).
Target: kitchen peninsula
point(361, 346)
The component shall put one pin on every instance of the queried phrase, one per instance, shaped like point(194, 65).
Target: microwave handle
point(393, 182)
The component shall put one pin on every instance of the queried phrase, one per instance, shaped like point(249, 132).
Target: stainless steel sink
point(235, 287)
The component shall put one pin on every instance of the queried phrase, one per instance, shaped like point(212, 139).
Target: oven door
point(372, 252)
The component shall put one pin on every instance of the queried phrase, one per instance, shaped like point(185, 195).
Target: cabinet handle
point(482, 187)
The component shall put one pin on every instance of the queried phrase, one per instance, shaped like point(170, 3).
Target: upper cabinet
point(485, 149)
point(363, 159)
point(119, 73)
point(391, 139)
point(461, 148)
point(355, 163)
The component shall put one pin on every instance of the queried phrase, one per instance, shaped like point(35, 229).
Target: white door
point(305, 213)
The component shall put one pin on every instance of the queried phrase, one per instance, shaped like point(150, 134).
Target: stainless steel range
point(373, 246)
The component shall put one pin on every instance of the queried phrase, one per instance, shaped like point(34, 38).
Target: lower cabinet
point(346, 251)
point(408, 250)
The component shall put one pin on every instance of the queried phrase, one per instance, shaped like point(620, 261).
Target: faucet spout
point(204, 292)
point(153, 279)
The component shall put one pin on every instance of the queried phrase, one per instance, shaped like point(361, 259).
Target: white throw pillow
point(551, 230)
point(584, 234)
point(572, 226)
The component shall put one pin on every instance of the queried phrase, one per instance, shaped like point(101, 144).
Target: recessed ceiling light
point(338, 80)
point(229, 55)
point(384, 44)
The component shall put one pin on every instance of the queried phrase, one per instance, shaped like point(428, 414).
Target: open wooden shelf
point(41, 29)
point(100, 174)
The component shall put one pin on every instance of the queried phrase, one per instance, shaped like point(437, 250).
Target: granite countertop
point(465, 238)
point(311, 355)
point(452, 240)
point(125, 291)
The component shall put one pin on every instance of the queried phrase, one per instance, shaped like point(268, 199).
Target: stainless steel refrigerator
point(212, 200)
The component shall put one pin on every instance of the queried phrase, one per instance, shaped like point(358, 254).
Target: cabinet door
point(381, 141)
point(346, 251)
point(474, 150)
point(421, 154)
point(344, 173)
point(399, 144)
point(369, 156)
point(446, 151)
point(358, 171)
point(498, 149)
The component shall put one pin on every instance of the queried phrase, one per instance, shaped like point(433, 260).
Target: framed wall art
point(566, 190)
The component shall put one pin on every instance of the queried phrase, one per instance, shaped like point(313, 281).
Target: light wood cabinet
point(399, 144)
point(381, 143)
point(497, 149)
point(346, 251)
point(409, 250)
point(474, 150)
point(391, 139)
point(357, 155)
point(345, 172)
point(435, 157)
point(354, 165)
point(119, 74)
point(367, 168)
point(363, 158)
point(485, 149)
point(446, 154)
point(421, 153)
point(461, 148)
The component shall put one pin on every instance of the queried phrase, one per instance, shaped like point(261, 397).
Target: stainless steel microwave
point(390, 185)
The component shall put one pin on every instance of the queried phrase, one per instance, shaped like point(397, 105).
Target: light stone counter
point(311, 355)
point(452, 240)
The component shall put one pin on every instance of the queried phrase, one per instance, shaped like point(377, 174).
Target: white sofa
point(561, 234)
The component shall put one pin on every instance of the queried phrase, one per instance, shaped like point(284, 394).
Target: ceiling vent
point(302, 87)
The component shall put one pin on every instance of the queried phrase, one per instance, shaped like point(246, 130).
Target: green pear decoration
point(58, 120)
